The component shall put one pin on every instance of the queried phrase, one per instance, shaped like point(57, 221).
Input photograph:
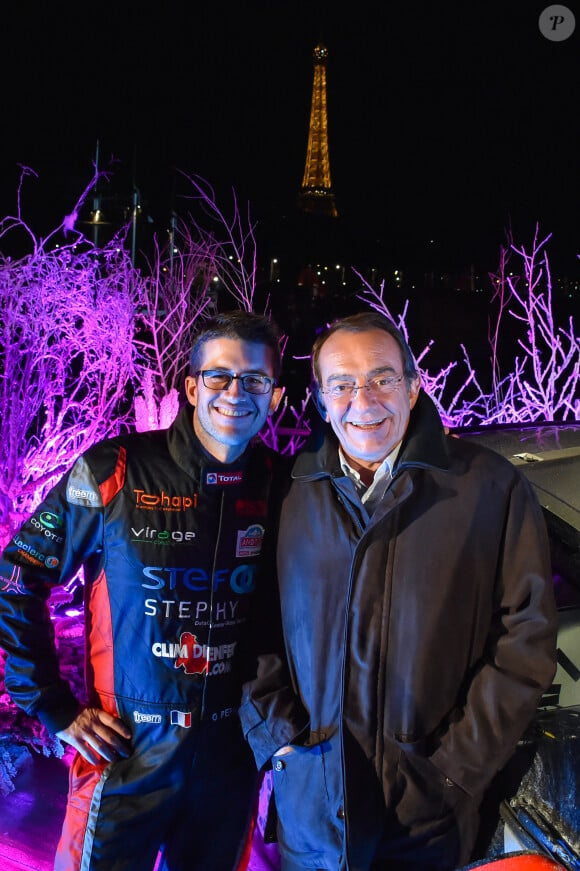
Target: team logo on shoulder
point(81, 489)
point(50, 520)
point(249, 541)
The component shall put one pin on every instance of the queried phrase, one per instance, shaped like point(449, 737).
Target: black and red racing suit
point(171, 543)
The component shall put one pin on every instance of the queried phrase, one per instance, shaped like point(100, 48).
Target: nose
point(235, 388)
point(362, 394)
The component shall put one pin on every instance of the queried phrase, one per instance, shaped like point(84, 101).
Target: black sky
point(446, 121)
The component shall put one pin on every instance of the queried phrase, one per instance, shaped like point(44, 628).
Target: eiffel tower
point(316, 192)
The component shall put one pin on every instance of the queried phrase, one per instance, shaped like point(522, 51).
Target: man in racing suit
point(168, 527)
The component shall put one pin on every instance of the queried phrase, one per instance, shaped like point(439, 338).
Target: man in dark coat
point(419, 622)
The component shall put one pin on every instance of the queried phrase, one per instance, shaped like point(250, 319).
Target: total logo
point(162, 536)
point(222, 479)
point(196, 658)
point(241, 580)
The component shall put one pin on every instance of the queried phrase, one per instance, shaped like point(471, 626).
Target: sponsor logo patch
point(82, 488)
point(46, 530)
point(196, 658)
point(163, 501)
point(50, 520)
point(251, 508)
point(34, 556)
point(241, 579)
point(150, 535)
point(249, 541)
point(82, 496)
point(140, 717)
point(223, 479)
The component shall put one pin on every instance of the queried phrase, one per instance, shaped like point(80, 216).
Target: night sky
point(447, 122)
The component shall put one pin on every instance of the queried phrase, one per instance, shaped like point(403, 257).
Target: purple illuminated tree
point(203, 255)
point(65, 311)
point(544, 382)
point(208, 253)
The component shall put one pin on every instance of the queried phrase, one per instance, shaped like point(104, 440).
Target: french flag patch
point(179, 718)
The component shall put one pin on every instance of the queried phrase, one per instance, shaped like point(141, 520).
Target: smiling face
point(368, 423)
point(226, 420)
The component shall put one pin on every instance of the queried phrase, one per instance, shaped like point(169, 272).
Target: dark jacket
point(418, 641)
point(170, 544)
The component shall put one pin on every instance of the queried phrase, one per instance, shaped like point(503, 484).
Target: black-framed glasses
point(382, 385)
point(252, 382)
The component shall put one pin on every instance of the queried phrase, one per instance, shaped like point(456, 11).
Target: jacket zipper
point(211, 606)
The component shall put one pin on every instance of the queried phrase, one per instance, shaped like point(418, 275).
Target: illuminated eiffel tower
point(316, 191)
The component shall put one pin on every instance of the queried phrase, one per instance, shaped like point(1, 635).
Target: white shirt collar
point(382, 474)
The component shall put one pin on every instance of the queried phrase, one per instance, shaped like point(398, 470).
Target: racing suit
point(170, 543)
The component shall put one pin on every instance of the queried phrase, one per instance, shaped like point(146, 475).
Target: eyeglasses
point(252, 382)
point(382, 385)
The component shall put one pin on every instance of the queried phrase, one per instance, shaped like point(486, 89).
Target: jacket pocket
point(426, 795)
point(308, 800)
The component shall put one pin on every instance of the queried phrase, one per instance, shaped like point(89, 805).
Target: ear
point(191, 389)
point(275, 399)
point(414, 389)
point(321, 407)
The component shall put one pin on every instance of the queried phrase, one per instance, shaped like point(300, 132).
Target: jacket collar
point(189, 454)
point(424, 445)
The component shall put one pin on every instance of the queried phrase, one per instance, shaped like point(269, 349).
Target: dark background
point(447, 122)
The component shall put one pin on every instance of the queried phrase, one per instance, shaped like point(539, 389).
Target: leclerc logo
point(222, 479)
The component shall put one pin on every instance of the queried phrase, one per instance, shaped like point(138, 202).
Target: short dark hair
point(360, 323)
point(238, 324)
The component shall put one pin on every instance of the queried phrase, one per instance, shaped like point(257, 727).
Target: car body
point(534, 804)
